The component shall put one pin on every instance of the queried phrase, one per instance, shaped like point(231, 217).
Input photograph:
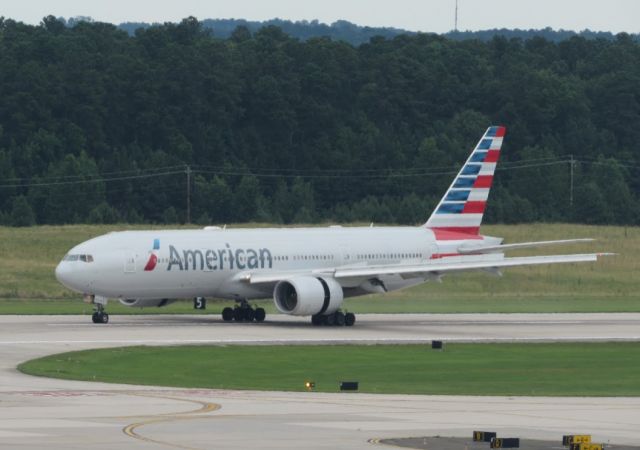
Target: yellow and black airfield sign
point(586, 446)
point(570, 439)
point(505, 443)
point(483, 436)
point(580, 442)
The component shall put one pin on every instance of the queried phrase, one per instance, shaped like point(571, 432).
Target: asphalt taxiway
point(40, 413)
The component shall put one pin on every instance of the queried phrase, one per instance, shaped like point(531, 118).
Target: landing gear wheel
point(243, 312)
point(99, 316)
point(349, 319)
point(260, 315)
point(227, 314)
point(330, 320)
point(249, 314)
point(317, 320)
point(339, 318)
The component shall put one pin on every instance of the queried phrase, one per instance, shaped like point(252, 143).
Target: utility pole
point(571, 181)
point(188, 171)
point(455, 22)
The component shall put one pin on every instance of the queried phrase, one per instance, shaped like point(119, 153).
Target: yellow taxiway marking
point(205, 407)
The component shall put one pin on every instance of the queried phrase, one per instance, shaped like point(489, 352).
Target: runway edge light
point(310, 385)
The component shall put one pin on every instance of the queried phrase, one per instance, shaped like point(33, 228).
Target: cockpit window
point(83, 258)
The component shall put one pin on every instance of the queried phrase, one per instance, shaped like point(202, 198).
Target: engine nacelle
point(306, 296)
point(145, 303)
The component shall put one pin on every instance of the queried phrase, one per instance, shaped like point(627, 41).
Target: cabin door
point(129, 262)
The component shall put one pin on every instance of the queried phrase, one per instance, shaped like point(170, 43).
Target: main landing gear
point(338, 319)
point(243, 312)
point(99, 315)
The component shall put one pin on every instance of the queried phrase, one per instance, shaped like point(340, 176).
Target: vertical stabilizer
point(462, 207)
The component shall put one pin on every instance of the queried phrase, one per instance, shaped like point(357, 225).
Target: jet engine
point(305, 296)
point(146, 303)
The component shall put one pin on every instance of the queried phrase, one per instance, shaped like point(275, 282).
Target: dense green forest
point(174, 124)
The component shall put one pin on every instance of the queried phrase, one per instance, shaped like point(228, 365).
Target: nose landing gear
point(99, 315)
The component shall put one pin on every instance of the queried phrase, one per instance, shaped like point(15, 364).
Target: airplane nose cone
point(62, 273)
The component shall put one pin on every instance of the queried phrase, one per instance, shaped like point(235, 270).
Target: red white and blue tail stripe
point(462, 207)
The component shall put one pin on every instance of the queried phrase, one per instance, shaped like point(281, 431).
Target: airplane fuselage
point(210, 262)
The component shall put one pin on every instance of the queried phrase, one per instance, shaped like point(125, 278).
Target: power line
point(102, 174)
point(373, 174)
point(90, 180)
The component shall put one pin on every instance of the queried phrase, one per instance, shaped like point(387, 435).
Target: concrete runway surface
point(37, 413)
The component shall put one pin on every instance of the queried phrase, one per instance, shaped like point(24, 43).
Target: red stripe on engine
point(483, 181)
point(456, 233)
point(474, 207)
point(492, 156)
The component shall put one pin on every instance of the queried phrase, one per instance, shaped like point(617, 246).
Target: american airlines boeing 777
point(307, 271)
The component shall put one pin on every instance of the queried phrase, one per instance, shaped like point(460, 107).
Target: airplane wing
point(427, 269)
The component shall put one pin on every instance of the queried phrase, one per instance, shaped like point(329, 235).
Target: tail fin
point(462, 207)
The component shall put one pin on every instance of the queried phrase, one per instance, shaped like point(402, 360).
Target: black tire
point(249, 314)
point(330, 320)
point(238, 315)
point(227, 314)
point(105, 318)
point(317, 320)
point(260, 314)
point(339, 318)
point(349, 319)
point(94, 317)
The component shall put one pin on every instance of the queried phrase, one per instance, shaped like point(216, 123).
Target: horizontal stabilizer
point(474, 248)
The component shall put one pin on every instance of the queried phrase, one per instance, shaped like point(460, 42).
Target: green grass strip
point(567, 369)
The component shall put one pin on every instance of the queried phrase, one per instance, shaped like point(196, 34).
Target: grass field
point(29, 256)
point(598, 369)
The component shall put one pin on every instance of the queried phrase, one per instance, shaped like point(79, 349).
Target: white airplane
point(307, 271)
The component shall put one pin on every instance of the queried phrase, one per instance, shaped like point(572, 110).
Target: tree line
point(173, 124)
point(354, 34)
